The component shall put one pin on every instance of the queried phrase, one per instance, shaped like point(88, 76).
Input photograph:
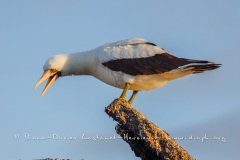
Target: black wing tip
point(219, 65)
point(201, 61)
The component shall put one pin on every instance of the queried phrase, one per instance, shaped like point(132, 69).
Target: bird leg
point(123, 95)
point(132, 97)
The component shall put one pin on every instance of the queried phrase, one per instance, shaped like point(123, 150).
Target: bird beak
point(51, 75)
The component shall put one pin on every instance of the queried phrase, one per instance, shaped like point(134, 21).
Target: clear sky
point(32, 31)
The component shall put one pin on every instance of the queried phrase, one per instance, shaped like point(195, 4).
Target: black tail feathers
point(202, 66)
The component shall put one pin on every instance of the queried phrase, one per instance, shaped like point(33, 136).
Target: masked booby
point(132, 64)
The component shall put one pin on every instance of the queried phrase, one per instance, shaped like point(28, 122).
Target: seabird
point(132, 64)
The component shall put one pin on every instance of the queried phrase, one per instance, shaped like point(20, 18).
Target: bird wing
point(130, 48)
point(138, 57)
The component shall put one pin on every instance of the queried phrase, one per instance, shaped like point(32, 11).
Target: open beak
point(51, 75)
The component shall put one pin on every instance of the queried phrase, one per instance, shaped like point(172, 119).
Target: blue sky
point(32, 31)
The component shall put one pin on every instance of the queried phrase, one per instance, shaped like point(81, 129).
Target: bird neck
point(81, 63)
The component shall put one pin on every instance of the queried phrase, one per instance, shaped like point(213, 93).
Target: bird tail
point(192, 67)
point(199, 66)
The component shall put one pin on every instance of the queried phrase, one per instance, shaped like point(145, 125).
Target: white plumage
point(133, 64)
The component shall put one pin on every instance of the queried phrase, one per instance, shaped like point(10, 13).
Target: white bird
point(132, 64)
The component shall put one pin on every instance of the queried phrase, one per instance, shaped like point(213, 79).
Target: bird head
point(54, 68)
